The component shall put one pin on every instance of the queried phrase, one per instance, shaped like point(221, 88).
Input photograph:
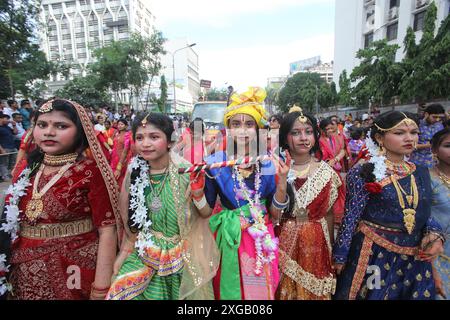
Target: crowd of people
point(287, 206)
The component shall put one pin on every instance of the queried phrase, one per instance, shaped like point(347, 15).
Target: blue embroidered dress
point(440, 210)
point(236, 278)
point(424, 157)
point(373, 239)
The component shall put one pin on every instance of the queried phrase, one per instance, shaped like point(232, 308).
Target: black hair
point(435, 108)
point(81, 142)
point(163, 123)
point(107, 121)
point(39, 102)
point(192, 125)
point(24, 102)
point(385, 120)
point(356, 133)
point(11, 102)
point(325, 123)
point(277, 116)
point(4, 115)
point(286, 126)
point(159, 120)
point(16, 114)
point(124, 121)
point(439, 137)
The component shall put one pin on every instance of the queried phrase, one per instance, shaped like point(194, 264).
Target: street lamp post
point(173, 70)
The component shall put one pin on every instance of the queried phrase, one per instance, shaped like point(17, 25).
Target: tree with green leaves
point(87, 91)
point(301, 89)
point(21, 61)
point(216, 94)
point(426, 65)
point(162, 101)
point(378, 75)
point(129, 64)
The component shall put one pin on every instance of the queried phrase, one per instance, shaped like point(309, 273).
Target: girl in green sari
point(168, 252)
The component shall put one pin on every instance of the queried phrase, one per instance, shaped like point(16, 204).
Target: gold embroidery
point(416, 295)
point(387, 266)
point(379, 240)
point(428, 274)
point(56, 230)
point(318, 287)
point(399, 272)
point(427, 294)
point(361, 268)
point(419, 277)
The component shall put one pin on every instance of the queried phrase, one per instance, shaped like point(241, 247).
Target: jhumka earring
point(382, 150)
point(415, 145)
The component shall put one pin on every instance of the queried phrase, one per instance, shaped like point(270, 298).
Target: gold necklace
point(60, 160)
point(444, 178)
point(156, 203)
point(35, 206)
point(301, 173)
point(409, 214)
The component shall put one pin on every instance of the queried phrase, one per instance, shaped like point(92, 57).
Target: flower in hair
point(376, 158)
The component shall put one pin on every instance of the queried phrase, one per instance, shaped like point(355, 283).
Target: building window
point(419, 20)
point(368, 39)
point(391, 32)
point(394, 3)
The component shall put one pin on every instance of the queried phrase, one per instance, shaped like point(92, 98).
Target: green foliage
point(301, 89)
point(21, 61)
point(216, 94)
point(378, 75)
point(163, 98)
point(421, 76)
point(129, 64)
point(426, 65)
point(87, 91)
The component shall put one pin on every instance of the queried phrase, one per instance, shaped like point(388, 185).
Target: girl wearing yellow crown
point(307, 226)
point(250, 199)
point(388, 238)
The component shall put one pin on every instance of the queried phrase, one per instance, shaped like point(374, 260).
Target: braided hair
point(163, 123)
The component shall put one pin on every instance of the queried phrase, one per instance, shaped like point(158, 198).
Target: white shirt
point(9, 111)
point(20, 130)
point(99, 127)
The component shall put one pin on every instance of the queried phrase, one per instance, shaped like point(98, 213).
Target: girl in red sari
point(65, 238)
point(316, 193)
point(333, 146)
point(121, 152)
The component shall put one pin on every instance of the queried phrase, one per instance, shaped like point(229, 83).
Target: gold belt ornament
point(160, 236)
point(56, 230)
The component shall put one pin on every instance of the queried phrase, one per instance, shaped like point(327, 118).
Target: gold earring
point(434, 157)
point(382, 150)
point(415, 145)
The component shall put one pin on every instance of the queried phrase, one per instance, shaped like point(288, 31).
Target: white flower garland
point(4, 285)
point(11, 226)
point(376, 158)
point(15, 191)
point(140, 216)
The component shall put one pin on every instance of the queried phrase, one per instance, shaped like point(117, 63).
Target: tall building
point(360, 22)
point(184, 60)
point(313, 65)
point(73, 28)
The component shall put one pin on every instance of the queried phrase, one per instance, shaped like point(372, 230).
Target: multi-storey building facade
point(72, 29)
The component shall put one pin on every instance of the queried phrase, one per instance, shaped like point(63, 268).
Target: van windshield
point(209, 112)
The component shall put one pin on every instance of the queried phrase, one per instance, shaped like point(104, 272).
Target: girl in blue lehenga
point(387, 238)
point(440, 208)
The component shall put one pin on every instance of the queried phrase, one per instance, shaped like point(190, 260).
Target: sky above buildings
point(243, 42)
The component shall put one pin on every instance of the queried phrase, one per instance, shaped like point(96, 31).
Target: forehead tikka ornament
point(302, 117)
point(46, 107)
point(407, 121)
point(144, 121)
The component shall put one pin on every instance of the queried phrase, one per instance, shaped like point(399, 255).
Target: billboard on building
point(300, 65)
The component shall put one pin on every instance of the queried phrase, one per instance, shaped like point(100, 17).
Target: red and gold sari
point(305, 240)
point(54, 256)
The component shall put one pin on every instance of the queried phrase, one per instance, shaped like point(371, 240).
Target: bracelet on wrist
point(200, 204)
point(279, 205)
